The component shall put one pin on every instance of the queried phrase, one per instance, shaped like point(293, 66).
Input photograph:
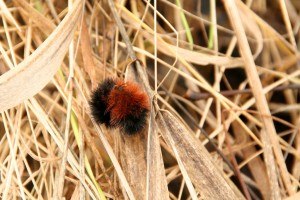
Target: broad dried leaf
point(157, 183)
point(31, 75)
point(205, 176)
point(142, 162)
point(87, 56)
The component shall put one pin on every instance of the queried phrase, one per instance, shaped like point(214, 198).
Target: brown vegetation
point(222, 78)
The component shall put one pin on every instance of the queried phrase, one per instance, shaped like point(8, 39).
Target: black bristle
point(98, 102)
point(134, 124)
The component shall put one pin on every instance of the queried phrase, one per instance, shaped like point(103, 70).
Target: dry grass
point(222, 76)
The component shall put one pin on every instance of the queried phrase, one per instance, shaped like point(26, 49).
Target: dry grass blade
point(89, 64)
point(44, 24)
point(256, 165)
point(133, 161)
point(116, 164)
point(31, 75)
point(191, 56)
point(58, 139)
point(7, 14)
point(294, 197)
point(156, 179)
point(195, 159)
point(268, 134)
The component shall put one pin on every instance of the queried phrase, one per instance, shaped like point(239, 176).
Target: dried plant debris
point(199, 99)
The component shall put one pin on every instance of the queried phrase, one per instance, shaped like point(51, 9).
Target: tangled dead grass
point(222, 77)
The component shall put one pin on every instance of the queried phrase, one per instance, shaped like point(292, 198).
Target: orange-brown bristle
point(127, 99)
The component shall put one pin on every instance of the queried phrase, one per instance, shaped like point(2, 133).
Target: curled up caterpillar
point(119, 104)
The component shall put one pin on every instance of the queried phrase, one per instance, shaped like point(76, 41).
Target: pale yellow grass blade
point(5, 13)
point(31, 75)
